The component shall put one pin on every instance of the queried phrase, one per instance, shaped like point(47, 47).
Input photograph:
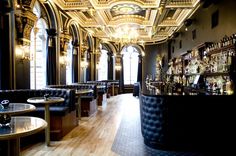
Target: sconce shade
point(23, 52)
point(50, 42)
point(118, 67)
point(51, 33)
point(84, 64)
point(74, 51)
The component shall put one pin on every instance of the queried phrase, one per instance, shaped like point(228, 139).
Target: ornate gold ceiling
point(152, 20)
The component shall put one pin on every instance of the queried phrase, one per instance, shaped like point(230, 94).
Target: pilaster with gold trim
point(25, 21)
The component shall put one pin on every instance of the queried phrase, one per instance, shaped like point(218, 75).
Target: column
point(25, 22)
point(7, 36)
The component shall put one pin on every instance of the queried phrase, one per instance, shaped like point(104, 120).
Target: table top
point(83, 91)
point(17, 108)
point(101, 86)
point(21, 126)
point(49, 100)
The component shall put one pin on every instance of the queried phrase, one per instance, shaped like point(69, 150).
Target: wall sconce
point(98, 66)
point(23, 53)
point(50, 44)
point(84, 64)
point(74, 51)
point(64, 61)
point(118, 67)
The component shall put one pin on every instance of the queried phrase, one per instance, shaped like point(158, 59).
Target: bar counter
point(187, 122)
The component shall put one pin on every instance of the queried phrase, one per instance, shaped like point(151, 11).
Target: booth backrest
point(22, 95)
point(99, 83)
point(78, 87)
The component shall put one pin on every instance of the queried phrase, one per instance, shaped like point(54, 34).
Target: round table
point(20, 126)
point(46, 102)
point(14, 109)
point(17, 108)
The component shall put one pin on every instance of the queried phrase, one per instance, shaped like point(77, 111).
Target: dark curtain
point(122, 76)
point(110, 66)
point(75, 61)
point(139, 76)
point(89, 68)
point(51, 57)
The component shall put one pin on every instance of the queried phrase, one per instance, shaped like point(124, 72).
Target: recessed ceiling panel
point(155, 20)
point(126, 9)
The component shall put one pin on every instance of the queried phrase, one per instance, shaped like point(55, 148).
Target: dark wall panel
point(149, 60)
point(63, 74)
point(203, 26)
point(22, 74)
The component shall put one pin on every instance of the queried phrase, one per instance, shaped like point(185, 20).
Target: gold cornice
point(168, 23)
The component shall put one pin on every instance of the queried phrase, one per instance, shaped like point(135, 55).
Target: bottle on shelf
point(234, 38)
point(229, 87)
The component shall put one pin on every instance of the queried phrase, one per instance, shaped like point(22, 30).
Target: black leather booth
point(62, 115)
point(88, 100)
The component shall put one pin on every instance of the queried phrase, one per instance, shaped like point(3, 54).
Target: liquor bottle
point(229, 87)
point(229, 58)
point(234, 38)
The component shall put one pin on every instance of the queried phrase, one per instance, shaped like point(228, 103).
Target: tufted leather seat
point(88, 100)
point(99, 83)
point(22, 95)
point(79, 86)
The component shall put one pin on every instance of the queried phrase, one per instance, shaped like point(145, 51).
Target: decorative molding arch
point(138, 47)
point(53, 15)
point(72, 23)
point(110, 46)
point(90, 41)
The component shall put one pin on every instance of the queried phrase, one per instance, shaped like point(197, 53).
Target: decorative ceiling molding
point(154, 20)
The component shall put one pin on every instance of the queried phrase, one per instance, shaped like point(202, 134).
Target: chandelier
point(126, 34)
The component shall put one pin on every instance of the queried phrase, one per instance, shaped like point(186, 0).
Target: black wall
point(202, 25)
point(62, 74)
point(204, 33)
point(149, 60)
point(22, 74)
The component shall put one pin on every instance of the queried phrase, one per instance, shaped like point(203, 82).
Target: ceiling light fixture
point(126, 34)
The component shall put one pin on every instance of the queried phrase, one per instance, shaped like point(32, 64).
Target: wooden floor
point(93, 136)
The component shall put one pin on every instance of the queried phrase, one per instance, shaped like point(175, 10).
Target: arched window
point(130, 64)
point(69, 65)
point(103, 65)
point(38, 51)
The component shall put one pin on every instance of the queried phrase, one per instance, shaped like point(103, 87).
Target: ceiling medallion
point(126, 9)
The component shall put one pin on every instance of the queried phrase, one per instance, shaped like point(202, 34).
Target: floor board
point(93, 136)
point(114, 130)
